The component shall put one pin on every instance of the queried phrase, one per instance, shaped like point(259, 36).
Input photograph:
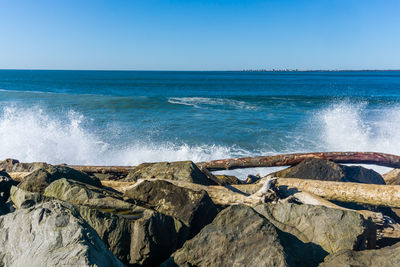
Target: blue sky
point(199, 35)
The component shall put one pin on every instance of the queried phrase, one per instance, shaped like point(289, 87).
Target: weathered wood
point(244, 194)
point(102, 169)
point(370, 194)
point(380, 159)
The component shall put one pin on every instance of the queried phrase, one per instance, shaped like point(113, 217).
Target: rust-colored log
point(380, 159)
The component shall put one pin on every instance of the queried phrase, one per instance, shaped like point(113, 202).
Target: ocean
point(130, 117)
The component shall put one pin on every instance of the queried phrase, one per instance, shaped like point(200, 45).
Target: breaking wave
point(31, 134)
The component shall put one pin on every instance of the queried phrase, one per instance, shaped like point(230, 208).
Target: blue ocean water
point(129, 117)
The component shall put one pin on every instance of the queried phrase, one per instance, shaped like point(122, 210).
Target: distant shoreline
point(298, 70)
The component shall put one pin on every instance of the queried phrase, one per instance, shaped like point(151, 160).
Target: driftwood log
point(370, 194)
point(380, 159)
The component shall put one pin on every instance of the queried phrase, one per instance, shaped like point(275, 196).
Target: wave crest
point(203, 102)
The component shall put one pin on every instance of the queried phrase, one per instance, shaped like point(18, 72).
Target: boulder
point(145, 237)
point(38, 180)
point(5, 185)
point(384, 257)
point(13, 165)
point(320, 169)
point(83, 194)
point(148, 239)
point(51, 234)
point(392, 177)
point(23, 199)
point(238, 236)
point(331, 229)
point(181, 170)
point(194, 208)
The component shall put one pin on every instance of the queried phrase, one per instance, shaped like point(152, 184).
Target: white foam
point(30, 134)
point(202, 102)
point(350, 126)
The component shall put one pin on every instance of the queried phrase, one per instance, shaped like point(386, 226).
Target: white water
point(30, 134)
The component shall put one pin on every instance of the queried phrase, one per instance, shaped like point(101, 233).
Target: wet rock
point(392, 177)
point(194, 208)
point(87, 195)
point(331, 229)
point(51, 234)
point(238, 236)
point(320, 169)
point(185, 171)
point(38, 180)
point(384, 257)
point(5, 185)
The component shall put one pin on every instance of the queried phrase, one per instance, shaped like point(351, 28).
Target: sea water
point(130, 117)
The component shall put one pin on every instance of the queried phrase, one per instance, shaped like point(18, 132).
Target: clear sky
point(199, 35)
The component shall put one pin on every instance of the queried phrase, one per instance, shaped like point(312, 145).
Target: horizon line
point(220, 70)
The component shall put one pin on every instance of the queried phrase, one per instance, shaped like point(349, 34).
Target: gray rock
point(384, 257)
point(38, 180)
point(194, 208)
point(320, 169)
point(51, 234)
point(5, 185)
point(185, 171)
point(13, 165)
point(144, 237)
point(25, 199)
point(87, 195)
point(238, 236)
point(331, 229)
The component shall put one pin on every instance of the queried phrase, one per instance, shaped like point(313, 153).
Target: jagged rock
point(87, 195)
point(38, 180)
point(181, 170)
point(148, 239)
point(13, 165)
point(238, 236)
point(331, 229)
point(320, 169)
point(229, 179)
point(5, 185)
point(194, 208)
point(145, 237)
point(51, 234)
point(384, 257)
point(25, 199)
point(392, 177)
